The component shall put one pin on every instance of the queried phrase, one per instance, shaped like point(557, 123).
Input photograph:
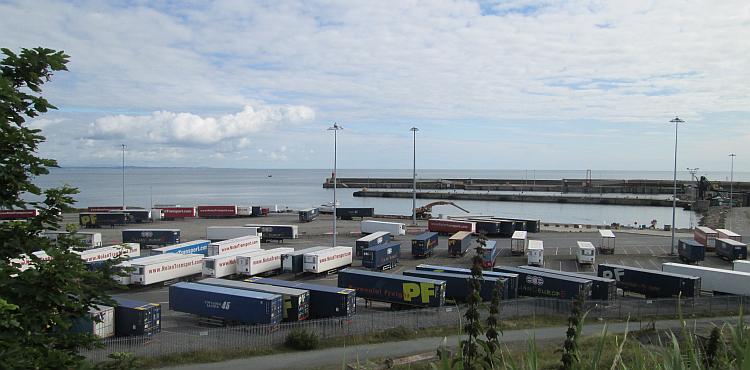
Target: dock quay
point(540, 198)
point(586, 186)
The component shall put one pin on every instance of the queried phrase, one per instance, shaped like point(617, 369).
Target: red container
point(104, 208)
point(217, 211)
point(18, 214)
point(264, 211)
point(449, 226)
point(178, 212)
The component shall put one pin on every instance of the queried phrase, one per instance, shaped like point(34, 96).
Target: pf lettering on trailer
point(615, 274)
point(414, 290)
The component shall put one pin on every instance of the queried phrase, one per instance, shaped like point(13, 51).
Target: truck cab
point(586, 253)
point(535, 253)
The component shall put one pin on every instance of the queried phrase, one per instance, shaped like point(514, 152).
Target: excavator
point(423, 213)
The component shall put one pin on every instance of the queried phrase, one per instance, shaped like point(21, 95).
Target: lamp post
point(731, 192)
point(414, 180)
point(123, 175)
point(676, 121)
point(692, 172)
point(335, 128)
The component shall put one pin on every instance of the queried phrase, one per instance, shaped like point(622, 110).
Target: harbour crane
point(424, 212)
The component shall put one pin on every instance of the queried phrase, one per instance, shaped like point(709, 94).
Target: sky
point(516, 84)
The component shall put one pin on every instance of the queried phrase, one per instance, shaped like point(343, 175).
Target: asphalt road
point(335, 357)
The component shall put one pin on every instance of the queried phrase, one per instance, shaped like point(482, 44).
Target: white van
point(535, 253)
point(586, 253)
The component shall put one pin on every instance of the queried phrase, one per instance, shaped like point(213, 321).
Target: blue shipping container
point(371, 240)
point(382, 257)
point(325, 301)
point(489, 253)
point(396, 289)
point(193, 247)
point(512, 278)
point(457, 285)
point(245, 306)
point(136, 317)
point(424, 244)
point(691, 251)
point(147, 237)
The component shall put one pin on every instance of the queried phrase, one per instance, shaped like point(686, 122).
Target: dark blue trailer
point(690, 251)
point(541, 284)
point(730, 249)
point(325, 301)
point(276, 232)
point(382, 257)
point(519, 225)
point(229, 304)
point(348, 213)
point(371, 240)
point(395, 289)
point(307, 215)
point(99, 219)
point(603, 289)
point(146, 237)
point(651, 283)
point(512, 282)
point(505, 227)
point(486, 227)
point(135, 215)
point(459, 243)
point(136, 318)
point(424, 244)
point(256, 211)
point(489, 253)
point(296, 301)
point(457, 285)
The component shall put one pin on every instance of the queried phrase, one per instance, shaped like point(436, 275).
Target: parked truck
point(328, 260)
point(518, 243)
point(348, 213)
point(276, 232)
point(690, 251)
point(603, 289)
point(382, 257)
point(489, 253)
point(151, 237)
point(325, 301)
point(296, 305)
point(512, 279)
point(308, 214)
point(371, 240)
point(457, 286)
point(450, 227)
point(730, 249)
point(261, 262)
point(217, 211)
point(294, 261)
point(192, 247)
point(535, 253)
point(714, 280)
point(542, 284)
point(651, 283)
point(236, 244)
point(606, 242)
point(399, 290)
point(394, 228)
point(219, 233)
point(100, 219)
point(164, 267)
point(231, 305)
point(126, 250)
point(424, 244)
point(705, 236)
point(585, 253)
point(459, 243)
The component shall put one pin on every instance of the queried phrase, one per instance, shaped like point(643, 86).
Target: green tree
point(38, 305)
point(472, 346)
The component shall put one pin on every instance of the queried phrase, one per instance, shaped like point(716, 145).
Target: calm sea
point(303, 188)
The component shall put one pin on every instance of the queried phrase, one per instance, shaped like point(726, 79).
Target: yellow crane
point(424, 212)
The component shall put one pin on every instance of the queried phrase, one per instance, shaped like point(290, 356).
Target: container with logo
point(232, 305)
point(325, 301)
point(489, 253)
point(651, 283)
point(730, 249)
point(171, 213)
point(382, 256)
point(424, 244)
point(457, 285)
point(135, 318)
point(328, 260)
point(450, 227)
point(459, 243)
point(396, 289)
point(164, 267)
point(294, 261)
point(242, 243)
point(217, 211)
point(512, 279)
point(542, 284)
point(149, 237)
point(192, 247)
point(371, 240)
point(18, 214)
point(276, 232)
point(222, 265)
point(127, 250)
point(601, 288)
point(261, 262)
point(296, 301)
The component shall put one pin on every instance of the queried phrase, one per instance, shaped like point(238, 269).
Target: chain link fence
point(170, 342)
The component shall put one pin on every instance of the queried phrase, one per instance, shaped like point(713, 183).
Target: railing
point(183, 340)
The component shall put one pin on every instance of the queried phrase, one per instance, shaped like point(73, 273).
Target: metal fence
point(170, 342)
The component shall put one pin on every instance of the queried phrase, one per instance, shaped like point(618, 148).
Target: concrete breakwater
point(539, 198)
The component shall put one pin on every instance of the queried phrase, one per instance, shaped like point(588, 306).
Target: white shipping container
point(235, 244)
point(713, 279)
point(585, 253)
point(741, 265)
point(156, 214)
point(535, 253)
point(102, 321)
point(26, 262)
point(395, 228)
point(91, 239)
point(328, 259)
point(244, 211)
point(165, 267)
point(128, 250)
point(287, 259)
point(219, 233)
point(258, 263)
point(221, 265)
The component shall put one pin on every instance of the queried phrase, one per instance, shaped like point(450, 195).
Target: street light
point(335, 128)
point(731, 195)
point(676, 121)
point(692, 172)
point(414, 180)
point(123, 175)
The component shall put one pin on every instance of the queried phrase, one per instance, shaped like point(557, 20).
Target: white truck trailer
point(223, 264)
point(535, 253)
point(261, 262)
point(165, 267)
point(741, 265)
point(328, 260)
point(607, 242)
point(585, 253)
point(395, 228)
point(713, 279)
point(90, 239)
point(518, 243)
point(236, 244)
point(129, 250)
point(293, 261)
point(219, 233)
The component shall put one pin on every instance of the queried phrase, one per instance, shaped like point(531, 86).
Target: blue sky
point(491, 84)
